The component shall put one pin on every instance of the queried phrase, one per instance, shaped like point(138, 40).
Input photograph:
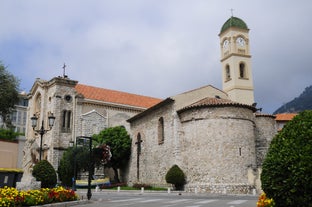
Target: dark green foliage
point(8, 134)
point(176, 177)
point(66, 167)
point(287, 168)
point(43, 171)
point(67, 163)
point(119, 142)
point(9, 85)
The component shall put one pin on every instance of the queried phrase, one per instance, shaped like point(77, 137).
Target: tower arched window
point(66, 120)
point(242, 70)
point(227, 73)
point(38, 104)
point(161, 131)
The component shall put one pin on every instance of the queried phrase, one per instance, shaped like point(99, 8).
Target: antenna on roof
point(64, 67)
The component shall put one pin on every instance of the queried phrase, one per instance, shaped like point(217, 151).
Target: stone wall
point(8, 154)
point(215, 147)
point(155, 159)
point(218, 147)
point(266, 129)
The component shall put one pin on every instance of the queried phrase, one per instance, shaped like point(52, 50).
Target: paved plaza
point(165, 199)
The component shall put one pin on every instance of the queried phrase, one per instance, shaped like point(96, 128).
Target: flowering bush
point(264, 201)
point(12, 197)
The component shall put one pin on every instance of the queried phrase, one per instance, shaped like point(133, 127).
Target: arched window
point(242, 72)
point(66, 121)
point(161, 131)
point(227, 73)
point(38, 104)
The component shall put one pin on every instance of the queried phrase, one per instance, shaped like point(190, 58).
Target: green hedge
point(287, 169)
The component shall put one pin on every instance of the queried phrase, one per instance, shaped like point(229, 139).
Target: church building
point(217, 137)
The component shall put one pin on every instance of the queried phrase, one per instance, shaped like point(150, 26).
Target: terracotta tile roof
point(117, 97)
point(216, 102)
point(285, 117)
point(151, 109)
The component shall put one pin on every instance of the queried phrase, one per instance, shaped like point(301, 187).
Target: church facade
point(79, 110)
point(217, 137)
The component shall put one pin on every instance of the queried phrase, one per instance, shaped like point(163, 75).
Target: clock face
point(226, 44)
point(240, 41)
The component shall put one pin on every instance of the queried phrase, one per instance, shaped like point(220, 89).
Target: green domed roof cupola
point(234, 22)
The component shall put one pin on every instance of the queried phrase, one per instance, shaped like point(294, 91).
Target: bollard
point(169, 190)
point(118, 189)
point(142, 190)
point(97, 188)
point(254, 192)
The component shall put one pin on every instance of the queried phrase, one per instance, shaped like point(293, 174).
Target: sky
point(156, 48)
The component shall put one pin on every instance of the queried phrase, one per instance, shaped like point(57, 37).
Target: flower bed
point(264, 201)
point(12, 197)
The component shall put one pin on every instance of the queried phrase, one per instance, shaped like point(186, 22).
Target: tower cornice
point(235, 54)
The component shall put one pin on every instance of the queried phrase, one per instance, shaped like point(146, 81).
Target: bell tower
point(237, 79)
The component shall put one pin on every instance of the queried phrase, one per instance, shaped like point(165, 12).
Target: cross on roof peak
point(64, 71)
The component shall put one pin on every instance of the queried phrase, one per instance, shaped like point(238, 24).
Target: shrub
point(66, 167)
point(43, 171)
point(287, 168)
point(7, 134)
point(176, 177)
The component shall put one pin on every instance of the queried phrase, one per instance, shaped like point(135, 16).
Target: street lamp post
point(71, 144)
point(42, 130)
point(89, 194)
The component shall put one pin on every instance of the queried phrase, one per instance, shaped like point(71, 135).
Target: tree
point(287, 167)
point(80, 157)
point(176, 177)
point(66, 167)
point(119, 142)
point(8, 94)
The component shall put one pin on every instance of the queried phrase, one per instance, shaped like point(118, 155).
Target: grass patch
point(132, 188)
point(124, 186)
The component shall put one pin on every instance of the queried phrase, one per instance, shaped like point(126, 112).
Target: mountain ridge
point(298, 104)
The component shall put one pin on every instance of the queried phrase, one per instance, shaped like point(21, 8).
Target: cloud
point(156, 48)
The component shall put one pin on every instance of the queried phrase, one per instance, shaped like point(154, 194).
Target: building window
point(19, 118)
point(242, 72)
point(23, 102)
point(227, 73)
point(14, 117)
point(161, 131)
point(24, 118)
point(66, 121)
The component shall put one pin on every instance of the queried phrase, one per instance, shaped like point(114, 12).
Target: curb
point(65, 204)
